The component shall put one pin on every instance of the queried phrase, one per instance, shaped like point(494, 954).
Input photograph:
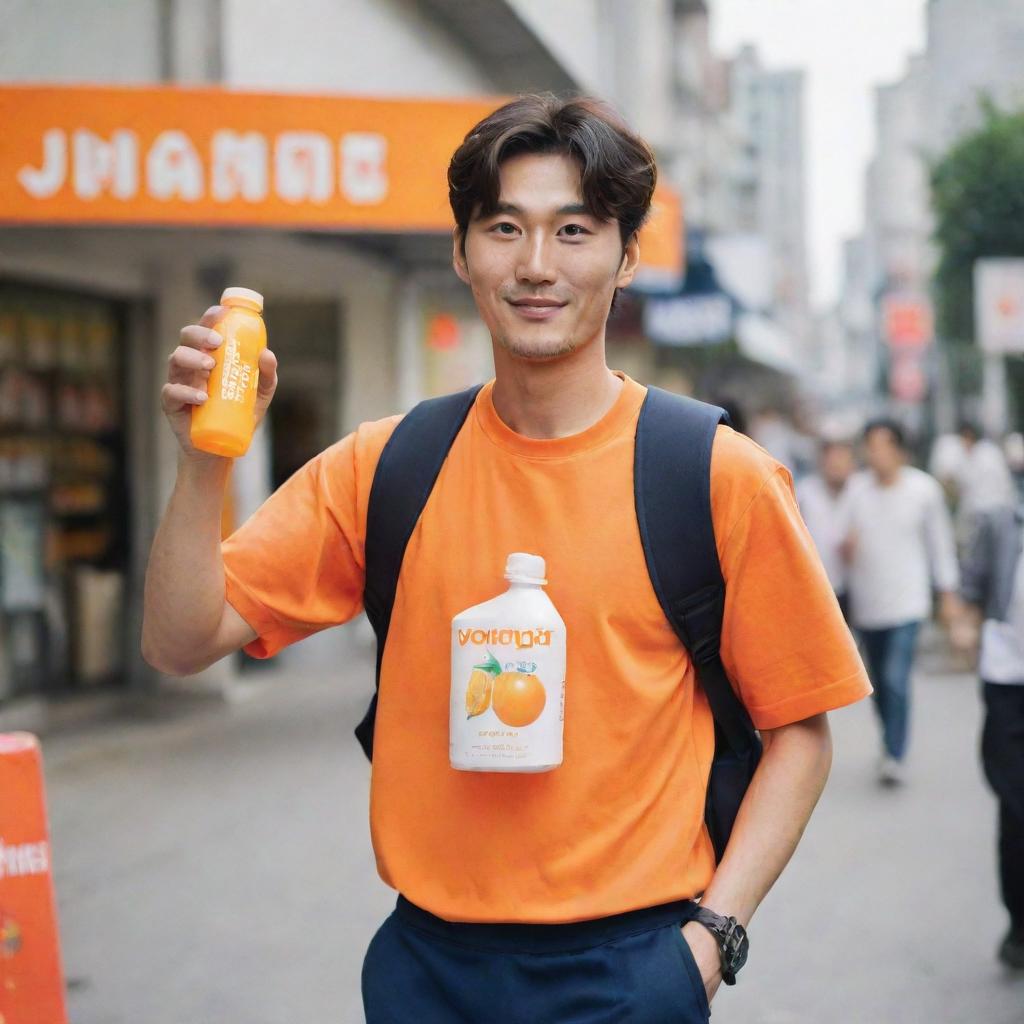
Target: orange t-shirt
point(619, 825)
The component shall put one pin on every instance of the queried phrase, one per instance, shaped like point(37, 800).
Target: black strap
point(672, 487)
point(408, 468)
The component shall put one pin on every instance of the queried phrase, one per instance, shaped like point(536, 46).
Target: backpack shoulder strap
point(406, 473)
point(672, 484)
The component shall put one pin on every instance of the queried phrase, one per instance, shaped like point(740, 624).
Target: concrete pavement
point(213, 866)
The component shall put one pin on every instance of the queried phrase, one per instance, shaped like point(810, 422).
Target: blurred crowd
point(903, 545)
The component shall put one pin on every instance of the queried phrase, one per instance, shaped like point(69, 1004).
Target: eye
point(500, 228)
point(574, 231)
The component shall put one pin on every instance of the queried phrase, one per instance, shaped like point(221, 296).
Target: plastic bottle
point(223, 424)
point(508, 677)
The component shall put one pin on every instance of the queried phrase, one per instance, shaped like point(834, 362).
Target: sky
point(845, 49)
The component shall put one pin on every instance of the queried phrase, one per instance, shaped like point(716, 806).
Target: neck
point(888, 478)
point(545, 400)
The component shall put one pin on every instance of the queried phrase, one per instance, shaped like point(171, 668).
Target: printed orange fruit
point(518, 698)
point(478, 693)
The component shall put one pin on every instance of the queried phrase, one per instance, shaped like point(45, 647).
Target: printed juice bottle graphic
point(508, 677)
point(223, 424)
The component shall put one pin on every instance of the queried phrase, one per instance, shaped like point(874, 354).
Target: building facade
point(181, 146)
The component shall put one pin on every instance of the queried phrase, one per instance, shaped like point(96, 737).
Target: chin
point(539, 349)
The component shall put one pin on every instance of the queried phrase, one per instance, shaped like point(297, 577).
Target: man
point(820, 496)
point(983, 480)
point(993, 584)
point(899, 541)
point(594, 865)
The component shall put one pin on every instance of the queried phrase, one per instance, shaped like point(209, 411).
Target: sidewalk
point(213, 866)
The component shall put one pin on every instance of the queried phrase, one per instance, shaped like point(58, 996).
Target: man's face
point(542, 270)
point(882, 452)
point(837, 464)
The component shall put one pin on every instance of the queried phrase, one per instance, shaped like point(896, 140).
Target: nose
point(534, 266)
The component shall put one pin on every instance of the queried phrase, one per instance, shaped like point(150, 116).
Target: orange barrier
point(31, 981)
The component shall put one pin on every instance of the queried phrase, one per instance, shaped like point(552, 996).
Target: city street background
point(213, 865)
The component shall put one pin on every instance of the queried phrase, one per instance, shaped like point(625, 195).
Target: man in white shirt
point(820, 496)
point(898, 546)
point(983, 480)
point(993, 583)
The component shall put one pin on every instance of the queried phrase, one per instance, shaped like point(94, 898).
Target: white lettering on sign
point(48, 180)
point(102, 166)
point(303, 167)
point(239, 166)
point(364, 175)
point(173, 167)
point(21, 859)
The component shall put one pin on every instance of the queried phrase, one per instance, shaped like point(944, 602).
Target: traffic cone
point(31, 980)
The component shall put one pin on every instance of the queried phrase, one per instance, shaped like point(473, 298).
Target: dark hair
point(828, 444)
point(617, 168)
point(968, 426)
point(894, 427)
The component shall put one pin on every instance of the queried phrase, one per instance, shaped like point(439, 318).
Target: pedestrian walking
point(993, 585)
point(592, 891)
point(899, 545)
point(821, 495)
point(983, 480)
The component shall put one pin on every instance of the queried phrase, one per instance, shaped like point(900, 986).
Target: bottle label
point(507, 697)
point(237, 375)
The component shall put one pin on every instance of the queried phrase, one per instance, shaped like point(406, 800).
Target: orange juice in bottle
point(223, 424)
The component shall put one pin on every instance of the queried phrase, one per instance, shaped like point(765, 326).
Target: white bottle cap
point(523, 568)
point(246, 295)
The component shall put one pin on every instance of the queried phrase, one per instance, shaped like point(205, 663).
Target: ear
point(630, 261)
point(459, 257)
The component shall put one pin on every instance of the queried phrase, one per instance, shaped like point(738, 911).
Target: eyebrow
point(570, 209)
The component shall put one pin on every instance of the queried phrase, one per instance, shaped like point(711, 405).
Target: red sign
point(907, 321)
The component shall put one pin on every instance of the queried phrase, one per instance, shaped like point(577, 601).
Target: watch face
point(736, 948)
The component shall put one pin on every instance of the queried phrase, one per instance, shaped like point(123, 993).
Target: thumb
point(268, 374)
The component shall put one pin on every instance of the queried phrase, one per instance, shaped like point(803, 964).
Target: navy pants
point(1002, 754)
point(889, 654)
point(633, 968)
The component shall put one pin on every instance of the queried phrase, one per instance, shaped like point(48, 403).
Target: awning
point(210, 157)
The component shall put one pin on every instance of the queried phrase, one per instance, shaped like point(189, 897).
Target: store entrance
point(305, 416)
point(64, 520)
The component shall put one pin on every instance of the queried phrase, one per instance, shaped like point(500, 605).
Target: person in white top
point(820, 496)
point(898, 546)
point(983, 480)
point(993, 586)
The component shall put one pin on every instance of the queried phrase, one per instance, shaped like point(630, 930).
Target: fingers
point(199, 337)
point(175, 397)
point(189, 366)
point(212, 315)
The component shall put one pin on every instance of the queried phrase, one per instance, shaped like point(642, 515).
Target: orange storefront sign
point(171, 156)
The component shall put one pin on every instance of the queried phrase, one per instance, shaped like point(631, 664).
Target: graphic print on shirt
point(508, 654)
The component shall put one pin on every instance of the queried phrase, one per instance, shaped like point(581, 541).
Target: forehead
point(539, 181)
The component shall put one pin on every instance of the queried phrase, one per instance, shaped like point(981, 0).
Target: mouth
point(537, 309)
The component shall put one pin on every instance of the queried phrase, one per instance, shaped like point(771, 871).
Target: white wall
point(381, 47)
point(79, 41)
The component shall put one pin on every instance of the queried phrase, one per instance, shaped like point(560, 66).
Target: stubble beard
point(538, 349)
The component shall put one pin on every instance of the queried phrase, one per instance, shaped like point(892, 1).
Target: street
point(213, 866)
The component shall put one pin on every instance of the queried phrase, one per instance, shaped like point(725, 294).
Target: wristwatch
point(732, 941)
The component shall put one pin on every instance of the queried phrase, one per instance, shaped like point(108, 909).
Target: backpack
point(672, 492)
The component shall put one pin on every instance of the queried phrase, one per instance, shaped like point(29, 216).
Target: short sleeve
point(296, 565)
point(785, 644)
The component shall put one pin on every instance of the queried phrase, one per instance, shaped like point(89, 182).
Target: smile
point(541, 309)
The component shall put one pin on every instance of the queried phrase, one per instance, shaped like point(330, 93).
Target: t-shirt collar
point(618, 418)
